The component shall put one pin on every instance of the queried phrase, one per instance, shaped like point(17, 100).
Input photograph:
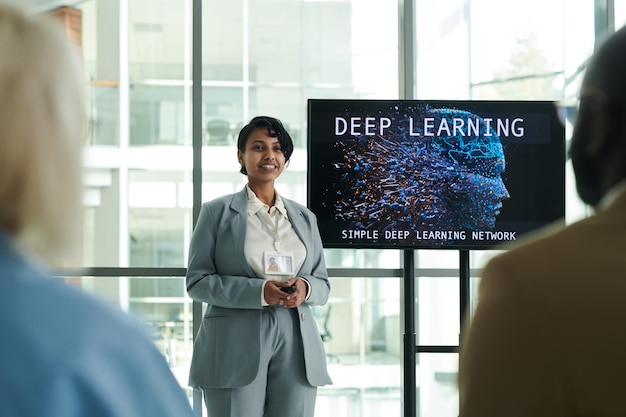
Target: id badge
point(278, 263)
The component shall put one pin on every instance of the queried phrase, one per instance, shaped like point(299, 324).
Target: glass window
point(270, 57)
point(487, 50)
point(361, 330)
point(620, 13)
point(437, 387)
point(139, 212)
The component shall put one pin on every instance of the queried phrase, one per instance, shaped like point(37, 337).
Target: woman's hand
point(275, 292)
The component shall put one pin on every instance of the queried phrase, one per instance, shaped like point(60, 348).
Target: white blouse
point(261, 236)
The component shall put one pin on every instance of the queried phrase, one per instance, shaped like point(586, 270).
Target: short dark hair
point(274, 128)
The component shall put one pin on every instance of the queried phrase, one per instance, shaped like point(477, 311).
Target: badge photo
point(278, 263)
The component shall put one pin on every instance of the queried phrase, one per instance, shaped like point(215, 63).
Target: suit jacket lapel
point(300, 225)
point(239, 225)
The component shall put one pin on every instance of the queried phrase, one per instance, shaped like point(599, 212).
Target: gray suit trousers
point(280, 388)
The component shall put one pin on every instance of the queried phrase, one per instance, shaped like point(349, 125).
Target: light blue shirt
point(64, 353)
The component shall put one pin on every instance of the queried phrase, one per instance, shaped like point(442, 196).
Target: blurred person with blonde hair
point(64, 353)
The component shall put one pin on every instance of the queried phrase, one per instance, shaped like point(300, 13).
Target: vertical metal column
point(406, 49)
point(196, 109)
point(409, 337)
point(406, 65)
point(604, 20)
point(464, 287)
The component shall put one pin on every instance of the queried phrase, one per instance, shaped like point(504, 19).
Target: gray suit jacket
point(548, 338)
point(227, 347)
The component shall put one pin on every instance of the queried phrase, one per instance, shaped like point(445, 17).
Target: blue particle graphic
point(434, 169)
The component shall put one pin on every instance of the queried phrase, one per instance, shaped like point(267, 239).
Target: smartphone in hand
point(289, 289)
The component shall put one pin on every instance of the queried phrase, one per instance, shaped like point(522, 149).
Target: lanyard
point(267, 226)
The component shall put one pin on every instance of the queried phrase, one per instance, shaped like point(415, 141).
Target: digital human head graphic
point(443, 172)
point(470, 186)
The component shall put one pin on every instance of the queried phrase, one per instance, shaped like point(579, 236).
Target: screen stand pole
point(409, 339)
point(464, 287)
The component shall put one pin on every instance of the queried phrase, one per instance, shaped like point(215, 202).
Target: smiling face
point(262, 157)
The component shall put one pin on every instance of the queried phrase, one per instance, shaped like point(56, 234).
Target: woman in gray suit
point(258, 351)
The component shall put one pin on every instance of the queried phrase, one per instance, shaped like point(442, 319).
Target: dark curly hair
point(274, 128)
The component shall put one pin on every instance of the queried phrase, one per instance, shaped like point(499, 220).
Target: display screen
point(433, 174)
